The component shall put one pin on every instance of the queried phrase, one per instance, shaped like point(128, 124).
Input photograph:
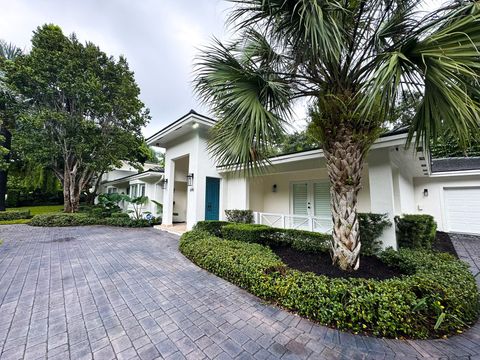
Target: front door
point(212, 199)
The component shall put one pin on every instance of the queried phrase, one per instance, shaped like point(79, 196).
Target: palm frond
point(250, 101)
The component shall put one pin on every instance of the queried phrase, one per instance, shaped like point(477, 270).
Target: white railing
point(299, 222)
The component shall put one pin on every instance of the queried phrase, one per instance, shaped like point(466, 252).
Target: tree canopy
point(84, 114)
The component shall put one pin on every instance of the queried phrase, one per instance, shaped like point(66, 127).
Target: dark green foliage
point(81, 219)
point(13, 198)
point(415, 231)
point(239, 216)
point(247, 232)
point(126, 222)
point(120, 215)
point(63, 219)
point(213, 227)
point(437, 287)
point(14, 215)
point(371, 228)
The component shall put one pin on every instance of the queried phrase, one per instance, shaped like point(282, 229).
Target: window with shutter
point(321, 200)
point(300, 198)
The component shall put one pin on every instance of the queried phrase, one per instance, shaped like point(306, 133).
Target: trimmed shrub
point(14, 215)
point(213, 227)
point(125, 222)
point(121, 215)
point(371, 228)
point(81, 219)
point(63, 219)
point(415, 231)
point(248, 232)
point(437, 296)
point(239, 216)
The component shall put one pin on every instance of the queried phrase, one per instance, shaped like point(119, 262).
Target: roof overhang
point(189, 122)
point(147, 176)
point(382, 142)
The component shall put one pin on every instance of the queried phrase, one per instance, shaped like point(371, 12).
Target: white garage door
point(462, 209)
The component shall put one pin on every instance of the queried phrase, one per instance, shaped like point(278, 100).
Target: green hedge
point(213, 227)
point(438, 296)
point(81, 219)
point(14, 215)
point(416, 231)
point(371, 227)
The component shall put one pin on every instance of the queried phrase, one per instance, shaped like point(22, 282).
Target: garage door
point(462, 209)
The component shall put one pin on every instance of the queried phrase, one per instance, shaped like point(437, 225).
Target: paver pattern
point(468, 249)
point(111, 293)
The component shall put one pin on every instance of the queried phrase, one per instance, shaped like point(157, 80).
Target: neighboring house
point(128, 180)
point(294, 191)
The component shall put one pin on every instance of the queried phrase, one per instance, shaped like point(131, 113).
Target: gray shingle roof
point(455, 164)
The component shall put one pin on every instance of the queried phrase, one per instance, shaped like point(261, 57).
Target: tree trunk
point(71, 190)
point(7, 144)
point(344, 158)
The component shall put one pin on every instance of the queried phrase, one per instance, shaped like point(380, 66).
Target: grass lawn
point(34, 210)
point(37, 210)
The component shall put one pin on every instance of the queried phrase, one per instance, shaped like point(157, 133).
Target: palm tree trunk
point(7, 142)
point(345, 157)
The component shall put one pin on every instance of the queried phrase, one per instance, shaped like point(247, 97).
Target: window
point(136, 190)
point(133, 191)
point(311, 198)
point(112, 190)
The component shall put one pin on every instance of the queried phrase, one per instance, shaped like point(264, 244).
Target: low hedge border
point(14, 215)
point(371, 227)
point(437, 296)
point(80, 219)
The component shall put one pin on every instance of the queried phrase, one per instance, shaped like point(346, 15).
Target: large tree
point(85, 114)
point(9, 106)
point(353, 59)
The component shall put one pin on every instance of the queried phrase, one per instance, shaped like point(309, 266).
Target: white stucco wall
point(263, 199)
point(200, 164)
point(433, 204)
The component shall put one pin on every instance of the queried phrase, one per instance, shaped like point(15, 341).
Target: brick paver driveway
point(114, 293)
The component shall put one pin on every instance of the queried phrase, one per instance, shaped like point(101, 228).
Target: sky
point(159, 38)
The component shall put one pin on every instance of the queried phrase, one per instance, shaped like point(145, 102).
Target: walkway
point(106, 293)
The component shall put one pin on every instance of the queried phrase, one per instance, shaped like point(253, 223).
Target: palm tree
point(8, 52)
point(354, 59)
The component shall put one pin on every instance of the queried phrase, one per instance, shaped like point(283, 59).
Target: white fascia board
point(395, 140)
point(170, 129)
point(134, 178)
point(456, 173)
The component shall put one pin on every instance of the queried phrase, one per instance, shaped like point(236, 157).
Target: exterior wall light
point(165, 184)
point(190, 179)
point(195, 125)
point(425, 192)
point(274, 188)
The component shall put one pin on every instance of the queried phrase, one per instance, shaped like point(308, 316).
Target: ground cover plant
point(431, 295)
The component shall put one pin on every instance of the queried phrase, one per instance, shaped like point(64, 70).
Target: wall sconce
point(274, 188)
point(165, 184)
point(425, 192)
point(190, 179)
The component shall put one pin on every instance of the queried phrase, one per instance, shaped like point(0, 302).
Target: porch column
point(167, 217)
point(382, 192)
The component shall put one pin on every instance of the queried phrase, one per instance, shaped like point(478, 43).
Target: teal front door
point(212, 199)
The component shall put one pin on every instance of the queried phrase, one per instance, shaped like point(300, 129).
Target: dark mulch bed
point(321, 264)
point(443, 243)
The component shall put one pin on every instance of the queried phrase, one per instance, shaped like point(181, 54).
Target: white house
point(294, 190)
point(128, 180)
